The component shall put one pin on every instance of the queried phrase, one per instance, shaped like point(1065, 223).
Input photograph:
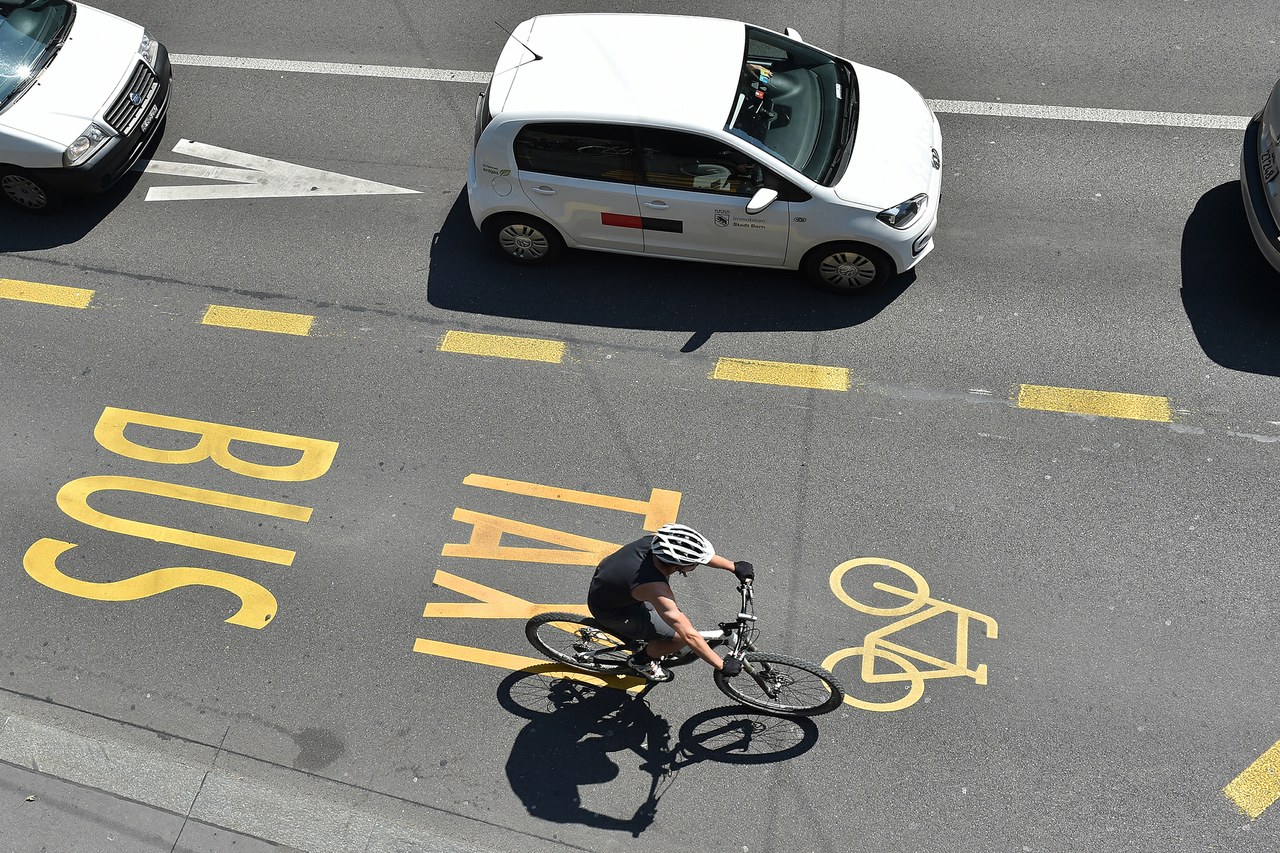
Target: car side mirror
point(761, 200)
point(793, 35)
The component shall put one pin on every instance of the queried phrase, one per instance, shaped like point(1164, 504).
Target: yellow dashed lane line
point(782, 373)
point(1110, 404)
point(503, 346)
point(255, 320)
point(48, 294)
point(1258, 786)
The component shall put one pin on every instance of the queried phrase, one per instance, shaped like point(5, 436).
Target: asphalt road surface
point(315, 637)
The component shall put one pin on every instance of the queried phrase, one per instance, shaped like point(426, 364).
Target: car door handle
point(544, 190)
point(657, 205)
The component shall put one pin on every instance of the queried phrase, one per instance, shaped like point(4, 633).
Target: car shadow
point(1230, 293)
point(628, 292)
point(77, 216)
point(576, 729)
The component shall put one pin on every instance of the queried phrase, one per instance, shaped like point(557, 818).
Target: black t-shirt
point(621, 572)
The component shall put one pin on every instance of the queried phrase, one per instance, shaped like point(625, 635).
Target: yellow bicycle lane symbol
point(875, 647)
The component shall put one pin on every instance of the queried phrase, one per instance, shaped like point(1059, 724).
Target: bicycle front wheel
point(783, 685)
point(575, 640)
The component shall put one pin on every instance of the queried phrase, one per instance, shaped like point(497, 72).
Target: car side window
point(598, 152)
point(686, 161)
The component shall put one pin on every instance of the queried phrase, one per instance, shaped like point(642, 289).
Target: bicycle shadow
point(576, 728)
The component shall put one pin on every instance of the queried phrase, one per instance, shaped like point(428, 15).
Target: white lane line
point(982, 108)
point(402, 72)
point(1003, 110)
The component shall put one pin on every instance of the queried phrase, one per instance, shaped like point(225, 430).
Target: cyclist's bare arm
point(664, 604)
point(720, 562)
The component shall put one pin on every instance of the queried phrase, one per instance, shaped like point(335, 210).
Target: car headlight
point(902, 215)
point(85, 145)
point(149, 49)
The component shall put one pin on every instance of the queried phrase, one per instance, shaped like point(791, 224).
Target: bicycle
point(768, 682)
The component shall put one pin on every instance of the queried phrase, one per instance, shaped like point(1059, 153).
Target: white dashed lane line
point(981, 108)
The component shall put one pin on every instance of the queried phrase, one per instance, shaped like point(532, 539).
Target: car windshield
point(795, 102)
point(31, 31)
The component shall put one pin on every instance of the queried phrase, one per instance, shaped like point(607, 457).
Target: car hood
point(77, 85)
point(893, 149)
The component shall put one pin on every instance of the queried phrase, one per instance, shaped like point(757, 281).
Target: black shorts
point(640, 622)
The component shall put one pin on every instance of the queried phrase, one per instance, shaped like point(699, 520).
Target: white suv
point(82, 94)
point(706, 140)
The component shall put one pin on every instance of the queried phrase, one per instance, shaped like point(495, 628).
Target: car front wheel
point(26, 191)
point(523, 239)
point(847, 267)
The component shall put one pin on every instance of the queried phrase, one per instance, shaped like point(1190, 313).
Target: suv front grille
point(124, 114)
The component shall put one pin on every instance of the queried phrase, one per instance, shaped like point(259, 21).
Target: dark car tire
point(523, 239)
point(847, 267)
point(26, 191)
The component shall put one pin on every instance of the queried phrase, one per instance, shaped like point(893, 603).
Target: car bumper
point(119, 155)
point(1266, 231)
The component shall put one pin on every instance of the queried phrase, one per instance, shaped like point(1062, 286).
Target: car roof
point(669, 70)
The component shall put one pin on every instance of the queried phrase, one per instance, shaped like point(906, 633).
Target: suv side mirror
point(762, 199)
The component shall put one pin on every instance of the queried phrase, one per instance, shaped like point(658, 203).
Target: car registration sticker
point(1269, 168)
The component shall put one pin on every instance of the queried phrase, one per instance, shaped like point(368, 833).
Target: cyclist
point(631, 596)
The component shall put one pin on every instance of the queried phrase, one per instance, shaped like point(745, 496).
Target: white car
point(82, 93)
point(1260, 177)
point(706, 140)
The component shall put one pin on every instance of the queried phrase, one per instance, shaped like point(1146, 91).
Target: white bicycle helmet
point(681, 546)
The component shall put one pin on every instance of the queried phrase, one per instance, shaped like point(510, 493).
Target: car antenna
point(536, 55)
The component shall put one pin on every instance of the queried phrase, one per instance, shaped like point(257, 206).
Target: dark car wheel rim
point(24, 191)
point(524, 242)
point(848, 270)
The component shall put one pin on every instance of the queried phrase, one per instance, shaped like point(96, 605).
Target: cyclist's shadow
point(575, 726)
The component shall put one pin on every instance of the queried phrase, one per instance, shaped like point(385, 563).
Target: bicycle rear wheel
point(783, 685)
point(577, 641)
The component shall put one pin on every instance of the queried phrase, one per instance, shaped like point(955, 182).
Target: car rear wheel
point(847, 267)
point(24, 190)
point(523, 239)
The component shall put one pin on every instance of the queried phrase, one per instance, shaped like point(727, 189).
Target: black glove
point(732, 666)
point(744, 571)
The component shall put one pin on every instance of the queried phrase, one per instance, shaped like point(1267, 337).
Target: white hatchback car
point(702, 139)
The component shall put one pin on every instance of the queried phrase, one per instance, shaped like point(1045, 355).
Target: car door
point(693, 192)
point(581, 178)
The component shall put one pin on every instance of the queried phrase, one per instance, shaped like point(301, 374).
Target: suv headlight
point(149, 49)
point(85, 145)
point(902, 215)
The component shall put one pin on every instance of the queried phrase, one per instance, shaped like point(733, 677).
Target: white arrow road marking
point(256, 177)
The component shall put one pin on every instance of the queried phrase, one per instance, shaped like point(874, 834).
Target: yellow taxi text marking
point(782, 373)
point(256, 320)
point(574, 549)
point(1108, 404)
point(48, 294)
point(503, 346)
point(1258, 786)
point(211, 441)
point(875, 647)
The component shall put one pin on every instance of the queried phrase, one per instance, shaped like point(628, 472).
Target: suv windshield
point(31, 31)
point(796, 103)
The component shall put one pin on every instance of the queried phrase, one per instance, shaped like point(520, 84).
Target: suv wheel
point(523, 239)
point(26, 191)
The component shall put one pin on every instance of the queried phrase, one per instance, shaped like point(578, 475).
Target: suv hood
point(78, 84)
point(893, 149)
